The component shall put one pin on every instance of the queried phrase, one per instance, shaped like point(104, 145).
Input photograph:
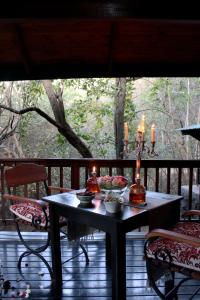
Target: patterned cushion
point(26, 211)
point(182, 254)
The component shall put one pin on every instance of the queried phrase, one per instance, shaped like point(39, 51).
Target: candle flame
point(94, 169)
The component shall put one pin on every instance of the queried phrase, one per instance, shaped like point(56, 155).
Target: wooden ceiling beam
point(53, 71)
point(100, 9)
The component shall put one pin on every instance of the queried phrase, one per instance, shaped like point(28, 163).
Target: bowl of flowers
point(116, 183)
point(112, 202)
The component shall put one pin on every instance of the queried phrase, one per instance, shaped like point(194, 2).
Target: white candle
point(126, 131)
point(143, 123)
point(153, 133)
point(94, 169)
point(138, 165)
point(143, 126)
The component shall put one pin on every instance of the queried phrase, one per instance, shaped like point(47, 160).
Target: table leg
point(118, 252)
point(55, 247)
point(108, 250)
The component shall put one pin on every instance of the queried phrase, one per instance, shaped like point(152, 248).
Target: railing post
point(168, 179)
point(75, 176)
point(2, 193)
point(190, 188)
point(179, 180)
point(61, 176)
point(157, 180)
point(49, 176)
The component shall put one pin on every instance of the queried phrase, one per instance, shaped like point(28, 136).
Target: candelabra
point(137, 193)
point(142, 148)
point(140, 144)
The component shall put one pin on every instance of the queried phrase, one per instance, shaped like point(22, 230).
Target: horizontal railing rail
point(167, 176)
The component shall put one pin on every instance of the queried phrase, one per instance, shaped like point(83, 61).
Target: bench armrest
point(189, 213)
point(171, 235)
point(40, 203)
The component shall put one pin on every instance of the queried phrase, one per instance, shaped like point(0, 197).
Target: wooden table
point(162, 210)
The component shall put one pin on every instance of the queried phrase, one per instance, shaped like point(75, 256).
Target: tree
point(86, 108)
point(8, 126)
point(119, 116)
point(63, 127)
point(60, 123)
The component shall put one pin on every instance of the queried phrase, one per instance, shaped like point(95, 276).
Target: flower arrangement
point(112, 197)
point(112, 182)
point(112, 202)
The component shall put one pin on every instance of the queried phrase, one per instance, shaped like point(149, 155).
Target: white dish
point(112, 206)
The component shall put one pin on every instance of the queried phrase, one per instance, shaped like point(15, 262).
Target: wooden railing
point(158, 175)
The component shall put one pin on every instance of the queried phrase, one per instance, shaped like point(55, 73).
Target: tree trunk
point(59, 122)
point(119, 116)
point(57, 106)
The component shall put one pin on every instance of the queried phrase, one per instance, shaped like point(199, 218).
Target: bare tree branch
point(66, 131)
point(64, 128)
point(5, 135)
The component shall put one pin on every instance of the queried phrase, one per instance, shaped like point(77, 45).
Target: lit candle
point(138, 161)
point(126, 131)
point(143, 126)
point(143, 123)
point(139, 134)
point(137, 176)
point(153, 133)
point(94, 169)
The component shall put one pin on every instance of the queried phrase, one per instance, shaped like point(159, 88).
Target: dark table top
point(153, 199)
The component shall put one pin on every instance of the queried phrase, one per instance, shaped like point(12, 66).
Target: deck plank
point(81, 281)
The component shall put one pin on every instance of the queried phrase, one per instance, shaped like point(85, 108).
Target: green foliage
point(30, 94)
point(94, 87)
point(90, 115)
point(89, 109)
point(173, 103)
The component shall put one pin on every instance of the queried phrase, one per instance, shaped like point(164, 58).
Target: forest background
point(84, 117)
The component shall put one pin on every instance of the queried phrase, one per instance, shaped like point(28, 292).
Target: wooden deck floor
point(80, 281)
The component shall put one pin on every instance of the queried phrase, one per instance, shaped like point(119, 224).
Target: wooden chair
point(23, 180)
point(172, 251)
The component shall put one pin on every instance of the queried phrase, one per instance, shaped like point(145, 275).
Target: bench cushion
point(182, 254)
point(26, 211)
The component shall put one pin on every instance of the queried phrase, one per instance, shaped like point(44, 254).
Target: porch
point(166, 176)
point(94, 280)
point(81, 281)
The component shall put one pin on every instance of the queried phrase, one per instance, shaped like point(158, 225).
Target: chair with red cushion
point(25, 183)
point(172, 251)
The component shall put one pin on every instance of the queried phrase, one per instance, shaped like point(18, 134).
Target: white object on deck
point(195, 196)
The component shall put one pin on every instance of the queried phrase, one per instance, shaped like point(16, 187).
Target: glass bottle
point(137, 193)
point(92, 184)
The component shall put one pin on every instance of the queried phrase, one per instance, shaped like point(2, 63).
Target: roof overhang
point(62, 39)
point(193, 130)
